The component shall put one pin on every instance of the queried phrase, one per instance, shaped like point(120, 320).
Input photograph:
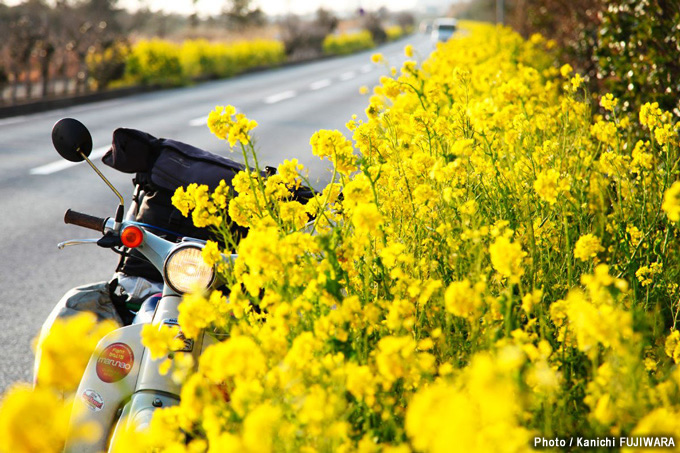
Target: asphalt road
point(289, 103)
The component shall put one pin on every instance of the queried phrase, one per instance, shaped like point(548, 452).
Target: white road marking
point(366, 68)
point(273, 99)
point(16, 119)
point(320, 84)
point(347, 75)
point(202, 121)
point(60, 165)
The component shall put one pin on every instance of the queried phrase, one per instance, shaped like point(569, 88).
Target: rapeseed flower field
point(495, 259)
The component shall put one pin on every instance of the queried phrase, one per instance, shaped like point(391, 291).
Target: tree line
point(50, 48)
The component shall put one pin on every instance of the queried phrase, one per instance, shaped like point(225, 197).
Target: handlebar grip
point(84, 220)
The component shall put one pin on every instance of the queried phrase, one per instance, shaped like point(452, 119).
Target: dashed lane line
point(202, 121)
point(320, 84)
point(273, 99)
point(347, 75)
point(60, 165)
point(278, 97)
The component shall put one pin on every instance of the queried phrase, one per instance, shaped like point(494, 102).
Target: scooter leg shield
point(109, 380)
point(94, 298)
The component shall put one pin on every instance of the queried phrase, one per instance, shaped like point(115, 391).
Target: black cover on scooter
point(161, 166)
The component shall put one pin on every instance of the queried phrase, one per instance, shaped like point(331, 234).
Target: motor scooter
point(122, 385)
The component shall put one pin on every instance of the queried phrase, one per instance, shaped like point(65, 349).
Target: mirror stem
point(121, 207)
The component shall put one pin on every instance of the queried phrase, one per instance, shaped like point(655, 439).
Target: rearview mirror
point(71, 138)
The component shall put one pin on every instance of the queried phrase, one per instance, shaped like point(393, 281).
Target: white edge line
point(273, 99)
point(60, 165)
point(320, 84)
point(202, 121)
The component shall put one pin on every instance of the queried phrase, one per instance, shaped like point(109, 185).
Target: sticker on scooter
point(94, 400)
point(115, 362)
point(188, 343)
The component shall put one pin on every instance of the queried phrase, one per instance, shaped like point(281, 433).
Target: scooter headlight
point(185, 270)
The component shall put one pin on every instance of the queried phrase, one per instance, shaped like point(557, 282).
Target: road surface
point(36, 187)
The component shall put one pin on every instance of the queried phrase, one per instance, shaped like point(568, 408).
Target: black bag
point(161, 166)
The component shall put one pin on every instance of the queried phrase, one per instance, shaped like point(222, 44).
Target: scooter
point(122, 386)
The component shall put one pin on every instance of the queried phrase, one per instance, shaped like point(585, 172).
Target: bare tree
point(240, 14)
point(305, 38)
point(22, 36)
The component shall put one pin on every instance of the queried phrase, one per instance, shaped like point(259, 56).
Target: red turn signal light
point(132, 237)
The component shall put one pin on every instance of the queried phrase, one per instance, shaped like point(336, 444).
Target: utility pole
point(500, 10)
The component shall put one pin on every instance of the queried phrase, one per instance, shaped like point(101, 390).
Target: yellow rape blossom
point(37, 420)
point(609, 102)
point(67, 348)
point(671, 202)
point(506, 257)
point(161, 339)
point(587, 247)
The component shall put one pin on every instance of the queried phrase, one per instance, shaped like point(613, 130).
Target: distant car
point(442, 29)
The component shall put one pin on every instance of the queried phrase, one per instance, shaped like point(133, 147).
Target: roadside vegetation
point(625, 47)
point(495, 258)
point(73, 48)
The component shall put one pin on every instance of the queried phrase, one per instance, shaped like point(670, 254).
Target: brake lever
point(64, 244)
point(109, 241)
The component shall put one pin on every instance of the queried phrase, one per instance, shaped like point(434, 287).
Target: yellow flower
point(289, 171)
point(665, 134)
point(672, 346)
point(219, 120)
point(576, 81)
point(196, 313)
point(366, 218)
point(336, 148)
point(605, 131)
point(220, 195)
point(161, 339)
point(671, 202)
point(67, 348)
point(361, 382)
point(37, 420)
point(546, 185)
point(479, 412)
point(566, 69)
point(608, 102)
point(408, 50)
point(239, 130)
point(183, 201)
point(530, 300)
point(211, 253)
point(506, 258)
point(260, 428)
point(587, 247)
point(237, 357)
point(650, 115)
point(461, 299)
point(377, 58)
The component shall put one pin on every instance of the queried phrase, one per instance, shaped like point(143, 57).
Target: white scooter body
point(122, 385)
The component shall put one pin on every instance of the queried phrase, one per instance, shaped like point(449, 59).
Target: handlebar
point(84, 220)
